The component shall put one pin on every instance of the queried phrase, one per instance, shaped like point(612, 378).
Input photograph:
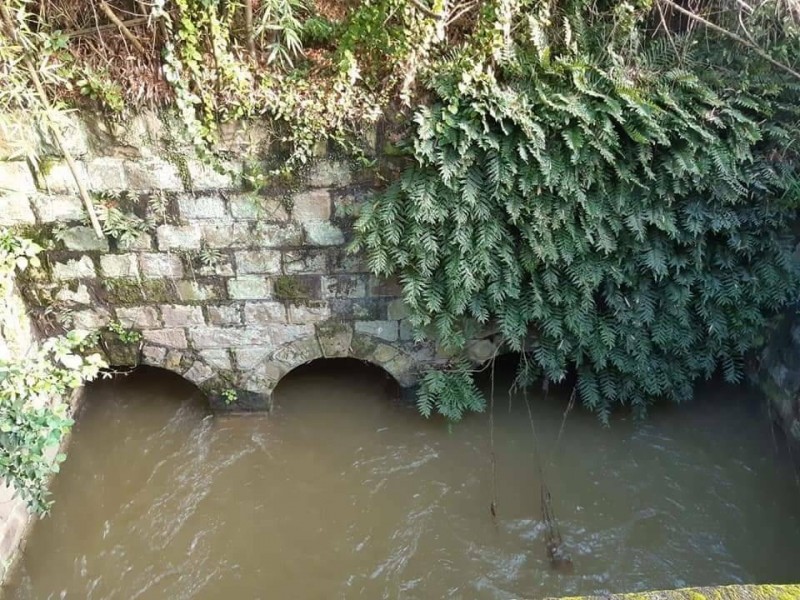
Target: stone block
point(306, 261)
point(73, 134)
point(224, 314)
point(407, 333)
point(143, 241)
point(249, 288)
point(119, 265)
point(329, 173)
point(82, 268)
point(344, 262)
point(15, 176)
point(385, 330)
point(252, 207)
point(169, 338)
point(295, 354)
point(480, 351)
point(225, 234)
point(238, 337)
point(382, 287)
point(91, 319)
point(178, 236)
point(153, 356)
point(106, 174)
point(344, 286)
point(258, 261)
point(173, 360)
point(217, 358)
point(335, 339)
point(18, 137)
point(83, 239)
point(201, 207)
point(396, 310)
point(80, 295)
point(313, 205)
point(145, 175)
point(258, 313)
point(198, 372)
point(205, 177)
point(58, 179)
point(309, 313)
point(178, 315)
point(15, 209)
point(250, 358)
point(155, 265)
point(139, 317)
point(58, 208)
point(323, 233)
point(273, 235)
point(198, 291)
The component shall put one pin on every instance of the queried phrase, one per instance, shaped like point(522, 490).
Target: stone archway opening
point(336, 384)
point(146, 383)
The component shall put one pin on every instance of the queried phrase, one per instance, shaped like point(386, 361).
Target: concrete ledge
point(731, 592)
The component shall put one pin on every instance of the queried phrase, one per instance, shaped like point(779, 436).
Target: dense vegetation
point(613, 184)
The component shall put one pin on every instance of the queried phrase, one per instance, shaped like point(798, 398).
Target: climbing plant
point(619, 208)
point(34, 387)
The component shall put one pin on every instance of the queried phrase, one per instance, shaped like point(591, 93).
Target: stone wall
point(778, 374)
point(15, 339)
point(230, 287)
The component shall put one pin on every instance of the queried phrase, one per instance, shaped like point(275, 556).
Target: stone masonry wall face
point(231, 289)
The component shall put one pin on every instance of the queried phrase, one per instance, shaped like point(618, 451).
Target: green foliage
point(280, 28)
point(612, 213)
point(451, 393)
point(229, 396)
point(34, 387)
point(126, 335)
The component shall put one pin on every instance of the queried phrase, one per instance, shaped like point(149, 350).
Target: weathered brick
point(217, 358)
point(179, 315)
point(329, 173)
point(225, 234)
point(306, 261)
point(140, 317)
point(15, 176)
point(80, 295)
point(313, 205)
point(170, 338)
point(152, 174)
point(119, 265)
point(106, 174)
point(201, 207)
point(58, 208)
point(198, 373)
point(386, 330)
point(83, 239)
point(143, 241)
point(91, 319)
point(16, 210)
point(237, 337)
point(396, 310)
point(272, 235)
point(323, 233)
point(258, 261)
point(249, 288)
point(155, 265)
point(230, 314)
point(58, 177)
point(82, 268)
point(344, 286)
point(250, 206)
point(178, 236)
point(153, 355)
point(196, 291)
point(303, 313)
point(257, 313)
point(250, 358)
point(205, 177)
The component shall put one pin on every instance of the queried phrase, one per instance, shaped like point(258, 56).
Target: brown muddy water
point(343, 493)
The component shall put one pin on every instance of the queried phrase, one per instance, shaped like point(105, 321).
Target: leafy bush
point(616, 215)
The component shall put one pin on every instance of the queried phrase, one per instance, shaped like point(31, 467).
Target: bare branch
point(755, 48)
point(125, 31)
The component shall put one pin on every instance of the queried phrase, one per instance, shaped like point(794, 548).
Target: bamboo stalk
point(37, 83)
point(125, 31)
point(93, 30)
point(248, 25)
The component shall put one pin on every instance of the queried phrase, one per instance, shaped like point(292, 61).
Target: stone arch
point(185, 362)
point(331, 340)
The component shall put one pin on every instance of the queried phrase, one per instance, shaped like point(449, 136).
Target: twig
point(427, 10)
point(93, 30)
point(755, 48)
point(37, 83)
point(125, 31)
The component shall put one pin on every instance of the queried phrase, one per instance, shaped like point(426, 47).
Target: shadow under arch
point(149, 382)
point(331, 342)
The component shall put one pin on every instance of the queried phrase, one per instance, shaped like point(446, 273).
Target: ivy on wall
point(35, 385)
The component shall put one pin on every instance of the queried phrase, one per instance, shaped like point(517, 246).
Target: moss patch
point(133, 291)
